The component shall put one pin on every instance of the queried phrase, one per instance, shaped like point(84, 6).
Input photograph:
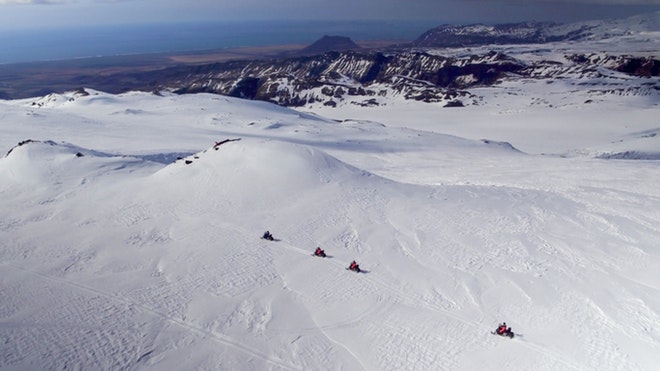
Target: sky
point(34, 14)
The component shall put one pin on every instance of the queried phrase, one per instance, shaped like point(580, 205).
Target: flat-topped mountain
point(330, 44)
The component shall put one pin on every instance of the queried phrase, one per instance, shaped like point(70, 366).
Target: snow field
point(114, 262)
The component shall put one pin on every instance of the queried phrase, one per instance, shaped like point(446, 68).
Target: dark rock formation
point(330, 44)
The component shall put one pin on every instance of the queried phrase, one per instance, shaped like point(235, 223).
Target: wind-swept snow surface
point(131, 224)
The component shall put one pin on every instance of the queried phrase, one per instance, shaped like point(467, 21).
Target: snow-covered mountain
point(616, 57)
point(131, 224)
point(373, 79)
point(449, 36)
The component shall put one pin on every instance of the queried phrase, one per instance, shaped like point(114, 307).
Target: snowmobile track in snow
point(476, 326)
point(218, 337)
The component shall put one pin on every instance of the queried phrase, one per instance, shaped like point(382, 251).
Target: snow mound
point(48, 163)
point(260, 167)
point(635, 146)
point(56, 100)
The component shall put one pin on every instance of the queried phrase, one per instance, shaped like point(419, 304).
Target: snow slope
point(114, 254)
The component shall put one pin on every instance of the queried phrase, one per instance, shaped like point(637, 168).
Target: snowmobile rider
point(319, 251)
point(354, 266)
point(502, 329)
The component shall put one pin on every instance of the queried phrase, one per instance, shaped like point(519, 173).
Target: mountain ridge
point(535, 32)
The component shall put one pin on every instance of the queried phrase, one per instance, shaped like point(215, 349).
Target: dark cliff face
point(298, 81)
point(635, 66)
point(361, 77)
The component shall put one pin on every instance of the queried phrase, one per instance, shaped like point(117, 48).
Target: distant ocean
point(58, 44)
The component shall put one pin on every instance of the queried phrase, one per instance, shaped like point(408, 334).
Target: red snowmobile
point(354, 267)
point(502, 330)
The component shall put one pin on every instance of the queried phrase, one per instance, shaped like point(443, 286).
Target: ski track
point(225, 340)
point(386, 335)
point(323, 330)
point(470, 329)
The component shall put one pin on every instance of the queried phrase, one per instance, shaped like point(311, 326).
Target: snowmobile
point(502, 330)
point(268, 236)
point(320, 253)
point(354, 267)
